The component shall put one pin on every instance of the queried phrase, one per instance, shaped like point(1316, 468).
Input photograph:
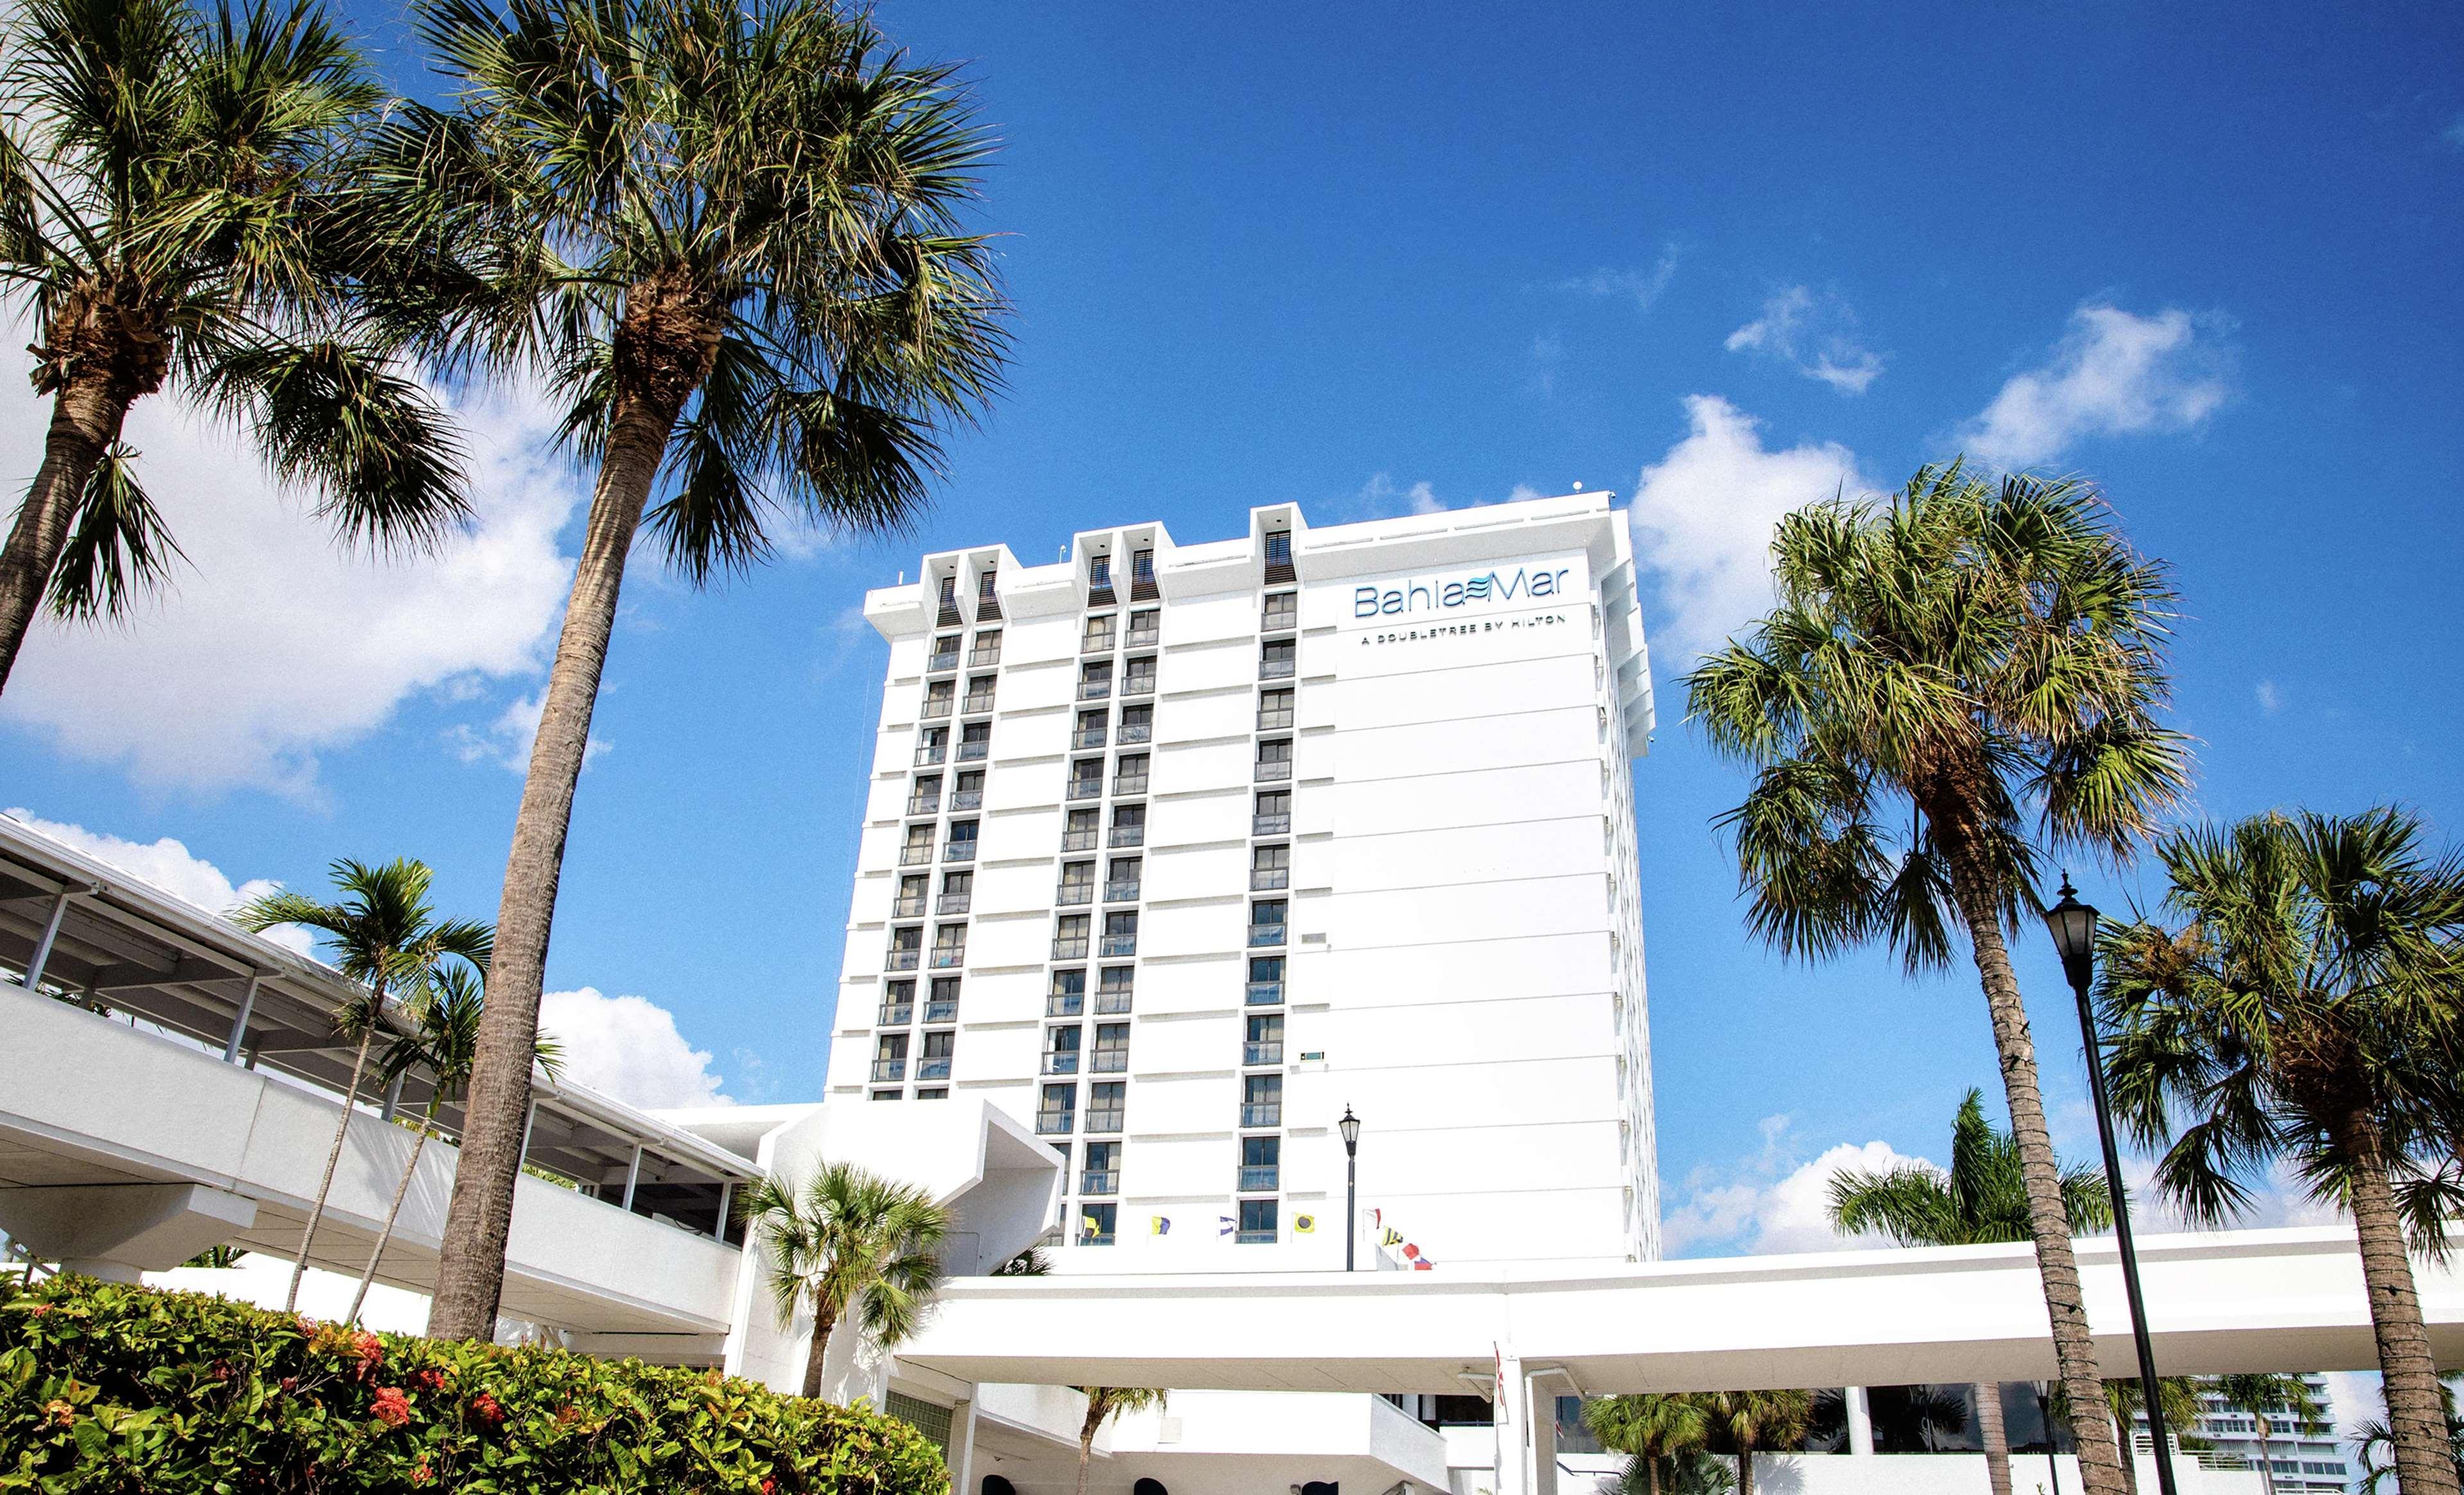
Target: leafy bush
point(110, 1388)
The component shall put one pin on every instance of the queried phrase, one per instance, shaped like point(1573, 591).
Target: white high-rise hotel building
point(1174, 851)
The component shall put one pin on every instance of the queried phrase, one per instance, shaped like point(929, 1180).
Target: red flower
point(421, 1475)
point(568, 1414)
point(291, 1383)
point(61, 1413)
point(391, 1407)
point(39, 1309)
point(767, 1486)
point(490, 1411)
point(430, 1379)
point(368, 1347)
point(307, 1326)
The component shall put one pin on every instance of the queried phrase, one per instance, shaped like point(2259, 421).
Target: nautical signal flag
point(1094, 1226)
point(1222, 1225)
point(1305, 1225)
point(1160, 1225)
point(1391, 1237)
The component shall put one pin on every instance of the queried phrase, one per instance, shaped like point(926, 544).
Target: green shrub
point(109, 1388)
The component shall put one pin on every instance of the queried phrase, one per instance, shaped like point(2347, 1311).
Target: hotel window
point(963, 841)
point(1275, 709)
point(1278, 555)
point(1077, 884)
point(934, 1093)
point(1087, 779)
point(1069, 937)
point(909, 904)
point(1139, 678)
point(1262, 1100)
point(1256, 1223)
point(905, 947)
point(897, 1004)
point(886, 1095)
point(918, 846)
point(1142, 577)
point(1283, 612)
point(1061, 1050)
point(949, 599)
point(1097, 1223)
point(1103, 1171)
point(1261, 1161)
point(925, 798)
point(933, 1064)
point(1067, 998)
point(968, 793)
point(975, 741)
point(1145, 628)
point(1099, 573)
point(889, 1058)
point(1265, 1044)
point(949, 947)
point(1266, 921)
point(1270, 868)
point(1274, 816)
point(1137, 724)
point(1266, 980)
point(1278, 659)
point(1095, 680)
point(945, 653)
point(1121, 880)
point(937, 695)
point(1058, 1115)
point(1132, 776)
point(1090, 730)
point(1111, 1048)
point(1081, 831)
point(1112, 998)
point(987, 603)
point(1274, 759)
point(957, 892)
point(1098, 639)
point(979, 695)
point(1106, 1101)
point(931, 745)
point(1128, 825)
point(987, 649)
point(1120, 935)
point(943, 1006)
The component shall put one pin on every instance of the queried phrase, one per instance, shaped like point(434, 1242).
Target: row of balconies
point(1100, 1121)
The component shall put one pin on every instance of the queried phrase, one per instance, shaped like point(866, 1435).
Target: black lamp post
point(1350, 1127)
point(2073, 925)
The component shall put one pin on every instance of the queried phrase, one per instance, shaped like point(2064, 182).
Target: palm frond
point(119, 549)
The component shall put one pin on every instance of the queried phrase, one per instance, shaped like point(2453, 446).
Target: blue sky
point(1367, 257)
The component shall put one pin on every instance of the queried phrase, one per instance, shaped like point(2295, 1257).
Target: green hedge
point(108, 1388)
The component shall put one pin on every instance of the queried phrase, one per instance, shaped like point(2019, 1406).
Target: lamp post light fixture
point(1350, 1127)
point(2073, 926)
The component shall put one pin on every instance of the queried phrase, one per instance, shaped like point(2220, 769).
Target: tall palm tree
point(1103, 1404)
point(383, 933)
point(1661, 1432)
point(2374, 1447)
point(1982, 1199)
point(849, 1242)
point(1946, 684)
point(443, 1040)
point(164, 171)
point(726, 233)
point(2260, 1393)
point(2308, 1006)
point(1748, 1422)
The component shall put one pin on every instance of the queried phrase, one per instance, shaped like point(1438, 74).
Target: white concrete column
point(1511, 1418)
point(1540, 1395)
point(1860, 1422)
point(963, 1447)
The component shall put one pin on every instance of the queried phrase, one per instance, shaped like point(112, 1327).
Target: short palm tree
point(1103, 1404)
point(1661, 1434)
point(443, 1038)
point(2124, 1401)
point(1746, 1422)
point(845, 1242)
point(2262, 1393)
point(164, 171)
point(2307, 1005)
point(383, 933)
point(726, 233)
point(1949, 682)
point(1982, 1199)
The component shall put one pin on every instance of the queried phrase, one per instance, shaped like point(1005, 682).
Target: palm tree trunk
point(2129, 1462)
point(2048, 1224)
point(825, 1321)
point(1086, 1438)
point(86, 418)
point(2416, 1414)
point(1990, 1433)
point(471, 1267)
point(1745, 1470)
point(393, 1211)
point(334, 1154)
point(2266, 1464)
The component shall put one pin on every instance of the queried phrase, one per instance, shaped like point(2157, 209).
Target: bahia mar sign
point(1497, 586)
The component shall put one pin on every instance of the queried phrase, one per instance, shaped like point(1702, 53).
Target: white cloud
point(507, 741)
point(170, 866)
point(629, 1047)
point(1643, 287)
point(1703, 518)
point(1382, 496)
point(2271, 700)
point(275, 644)
point(1815, 334)
point(1548, 352)
point(2113, 373)
point(1766, 1206)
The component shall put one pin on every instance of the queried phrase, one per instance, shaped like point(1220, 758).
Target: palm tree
point(2306, 1008)
point(2374, 1447)
point(1103, 1404)
point(1746, 1422)
point(849, 1242)
point(383, 935)
point(1946, 684)
point(163, 175)
point(726, 233)
point(443, 1039)
point(1982, 1199)
point(1661, 1433)
point(2260, 1393)
point(2122, 1399)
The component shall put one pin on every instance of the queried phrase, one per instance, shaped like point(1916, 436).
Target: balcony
point(974, 752)
point(1086, 788)
point(928, 754)
point(1129, 836)
point(955, 903)
point(924, 804)
point(949, 957)
point(896, 1014)
point(935, 711)
point(1087, 737)
point(1280, 720)
point(1096, 644)
point(1278, 669)
point(1099, 1180)
point(1055, 1123)
point(1121, 892)
point(903, 959)
point(1273, 770)
point(1057, 1063)
point(1107, 1119)
point(959, 851)
point(1261, 1053)
point(1078, 839)
point(907, 905)
point(946, 659)
point(1279, 620)
point(1128, 783)
point(1072, 894)
point(1111, 1001)
point(1266, 879)
point(1265, 994)
point(1264, 1113)
point(915, 853)
point(1255, 1238)
point(941, 1011)
point(1138, 684)
point(1066, 947)
point(1110, 1061)
point(1064, 1005)
point(888, 1071)
point(1136, 732)
point(1266, 935)
point(985, 655)
point(976, 703)
point(1095, 690)
point(931, 1068)
point(967, 799)
point(1265, 1179)
point(1118, 945)
point(1270, 824)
